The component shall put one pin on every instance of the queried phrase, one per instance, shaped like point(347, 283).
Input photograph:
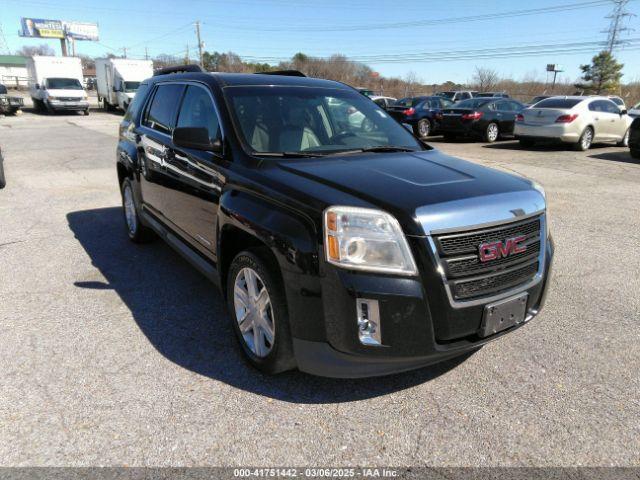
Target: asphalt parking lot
point(117, 354)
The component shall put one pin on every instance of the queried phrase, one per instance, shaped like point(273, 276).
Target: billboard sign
point(81, 30)
point(41, 28)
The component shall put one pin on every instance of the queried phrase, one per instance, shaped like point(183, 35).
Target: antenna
point(617, 17)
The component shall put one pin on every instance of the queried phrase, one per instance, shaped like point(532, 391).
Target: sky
point(432, 39)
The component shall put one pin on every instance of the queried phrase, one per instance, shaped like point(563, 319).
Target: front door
point(197, 177)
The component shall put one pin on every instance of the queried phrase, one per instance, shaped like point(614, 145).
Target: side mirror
point(196, 138)
point(37, 86)
point(623, 111)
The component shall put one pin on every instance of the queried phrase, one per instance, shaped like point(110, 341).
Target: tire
point(86, 112)
point(635, 153)
point(585, 140)
point(526, 143)
point(264, 337)
point(491, 133)
point(138, 233)
point(423, 128)
point(625, 140)
point(3, 180)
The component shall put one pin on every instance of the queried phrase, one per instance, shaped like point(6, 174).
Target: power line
point(616, 27)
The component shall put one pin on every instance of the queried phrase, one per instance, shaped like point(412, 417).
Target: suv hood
point(403, 183)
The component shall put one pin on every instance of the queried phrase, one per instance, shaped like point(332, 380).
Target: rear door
point(156, 128)
point(197, 177)
point(617, 123)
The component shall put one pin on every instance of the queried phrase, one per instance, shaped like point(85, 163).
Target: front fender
point(294, 241)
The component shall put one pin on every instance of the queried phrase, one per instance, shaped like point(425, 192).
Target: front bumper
point(557, 132)
point(419, 325)
point(67, 106)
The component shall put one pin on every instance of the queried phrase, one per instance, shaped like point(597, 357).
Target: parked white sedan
point(579, 121)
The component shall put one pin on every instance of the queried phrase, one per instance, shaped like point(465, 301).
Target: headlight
point(366, 239)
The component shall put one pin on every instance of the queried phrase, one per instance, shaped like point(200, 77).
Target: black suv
point(343, 248)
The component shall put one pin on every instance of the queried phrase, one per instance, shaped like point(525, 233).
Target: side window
point(197, 110)
point(610, 107)
point(503, 106)
point(595, 106)
point(492, 106)
point(137, 102)
point(434, 103)
point(516, 107)
point(161, 113)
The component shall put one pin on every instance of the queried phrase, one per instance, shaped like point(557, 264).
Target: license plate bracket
point(504, 314)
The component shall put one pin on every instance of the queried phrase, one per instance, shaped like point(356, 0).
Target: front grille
point(69, 99)
point(469, 278)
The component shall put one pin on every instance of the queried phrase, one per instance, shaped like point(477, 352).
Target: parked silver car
point(579, 121)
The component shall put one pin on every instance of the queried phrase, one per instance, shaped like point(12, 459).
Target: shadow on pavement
point(622, 156)
point(184, 317)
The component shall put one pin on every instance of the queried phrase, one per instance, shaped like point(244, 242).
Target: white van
point(119, 78)
point(55, 84)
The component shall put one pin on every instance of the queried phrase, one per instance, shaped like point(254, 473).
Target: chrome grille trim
point(540, 260)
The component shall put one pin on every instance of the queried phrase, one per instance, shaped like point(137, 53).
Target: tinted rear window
point(409, 101)
point(472, 103)
point(563, 103)
point(164, 107)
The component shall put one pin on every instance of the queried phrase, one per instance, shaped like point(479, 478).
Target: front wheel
point(257, 303)
point(584, 143)
point(625, 140)
point(86, 112)
point(491, 133)
point(137, 232)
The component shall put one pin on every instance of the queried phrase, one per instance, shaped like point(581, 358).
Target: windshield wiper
point(388, 148)
point(289, 154)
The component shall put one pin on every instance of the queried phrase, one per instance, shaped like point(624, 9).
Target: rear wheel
point(3, 181)
point(137, 232)
point(423, 128)
point(584, 143)
point(625, 140)
point(258, 308)
point(491, 133)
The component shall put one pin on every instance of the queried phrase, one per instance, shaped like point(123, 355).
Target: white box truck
point(55, 84)
point(118, 79)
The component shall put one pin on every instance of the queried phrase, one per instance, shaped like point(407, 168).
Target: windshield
point(131, 87)
point(312, 120)
point(446, 94)
point(63, 84)
point(472, 103)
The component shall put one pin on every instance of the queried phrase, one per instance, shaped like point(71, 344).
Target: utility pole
point(199, 43)
point(124, 50)
point(186, 55)
point(4, 47)
point(146, 53)
point(617, 17)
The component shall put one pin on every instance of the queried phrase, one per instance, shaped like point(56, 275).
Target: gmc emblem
point(495, 250)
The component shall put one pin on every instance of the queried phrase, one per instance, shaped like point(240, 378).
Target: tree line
point(602, 76)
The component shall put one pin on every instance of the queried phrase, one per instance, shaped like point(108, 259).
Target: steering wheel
point(342, 135)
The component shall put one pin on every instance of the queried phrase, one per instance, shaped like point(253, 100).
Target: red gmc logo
point(495, 250)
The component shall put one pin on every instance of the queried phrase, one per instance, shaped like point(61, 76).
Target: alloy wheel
point(254, 312)
point(587, 138)
point(130, 210)
point(424, 129)
point(492, 132)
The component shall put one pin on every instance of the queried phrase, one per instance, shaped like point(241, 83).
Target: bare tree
point(30, 51)
point(485, 79)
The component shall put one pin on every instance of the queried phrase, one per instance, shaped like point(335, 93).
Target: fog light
point(369, 330)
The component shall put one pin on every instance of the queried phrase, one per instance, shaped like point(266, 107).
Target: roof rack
point(284, 73)
point(179, 69)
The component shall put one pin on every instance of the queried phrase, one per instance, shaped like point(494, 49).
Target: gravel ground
point(116, 354)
